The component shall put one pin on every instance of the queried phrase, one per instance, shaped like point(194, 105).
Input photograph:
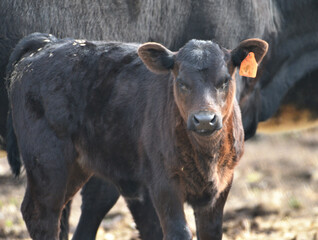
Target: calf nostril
point(213, 120)
point(196, 121)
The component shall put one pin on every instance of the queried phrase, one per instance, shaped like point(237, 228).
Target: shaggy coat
point(81, 108)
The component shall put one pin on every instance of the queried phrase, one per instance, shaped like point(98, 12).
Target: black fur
point(12, 148)
point(81, 108)
point(27, 45)
point(276, 21)
point(289, 26)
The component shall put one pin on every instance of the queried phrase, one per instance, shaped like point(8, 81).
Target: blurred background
point(274, 195)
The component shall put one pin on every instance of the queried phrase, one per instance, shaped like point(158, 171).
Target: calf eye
point(183, 87)
point(225, 83)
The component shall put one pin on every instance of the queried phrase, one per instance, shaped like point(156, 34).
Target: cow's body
point(290, 67)
point(81, 108)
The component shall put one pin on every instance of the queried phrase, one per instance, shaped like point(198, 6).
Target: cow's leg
point(98, 197)
point(169, 207)
point(145, 216)
point(209, 219)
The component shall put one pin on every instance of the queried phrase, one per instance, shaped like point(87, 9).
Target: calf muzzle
point(204, 123)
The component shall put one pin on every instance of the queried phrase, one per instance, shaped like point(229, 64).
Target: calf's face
point(203, 78)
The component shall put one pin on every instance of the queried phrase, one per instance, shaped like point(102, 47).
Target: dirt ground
point(274, 195)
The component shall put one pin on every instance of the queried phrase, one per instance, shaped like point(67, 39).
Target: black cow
point(289, 26)
point(81, 108)
point(286, 85)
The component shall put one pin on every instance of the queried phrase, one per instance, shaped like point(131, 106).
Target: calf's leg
point(209, 219)
point(98, 197)
point(169, 206)
point(48, 190)
point(53, 177)
point(43, 203)
point(64, 226)
point(145, 216)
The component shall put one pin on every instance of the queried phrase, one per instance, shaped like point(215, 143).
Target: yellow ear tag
point(249, 66)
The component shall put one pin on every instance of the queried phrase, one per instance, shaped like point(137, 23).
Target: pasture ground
point(274, 195)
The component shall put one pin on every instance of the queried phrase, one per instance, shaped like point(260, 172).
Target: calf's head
point(203, 78)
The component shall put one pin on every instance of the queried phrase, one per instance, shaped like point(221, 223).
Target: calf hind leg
point(44, 201)
point(42, 207)
point(51, 183)
point(99, 196)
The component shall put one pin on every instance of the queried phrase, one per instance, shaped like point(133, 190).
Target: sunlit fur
point(84, 108)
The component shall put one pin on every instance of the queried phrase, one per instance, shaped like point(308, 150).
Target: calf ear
point(156, 57)
point(257, 46)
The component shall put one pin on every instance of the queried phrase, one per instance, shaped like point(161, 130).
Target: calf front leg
point(209, 219)
point(169, 206)
point(145, 216)
point(64, 226)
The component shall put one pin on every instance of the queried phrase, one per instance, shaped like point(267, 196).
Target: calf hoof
point(180, 234)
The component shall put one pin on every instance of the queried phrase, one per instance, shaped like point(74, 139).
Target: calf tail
point(29, 44)
point(12, 147)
